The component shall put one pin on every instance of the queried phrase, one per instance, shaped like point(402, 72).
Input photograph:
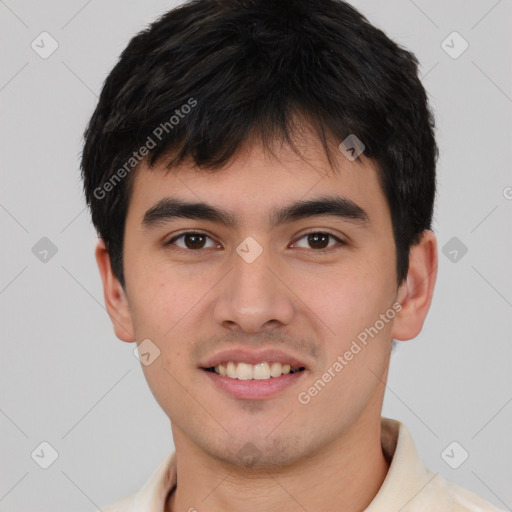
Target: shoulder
point(411, 487)
point(454, 497)
point(151, 496)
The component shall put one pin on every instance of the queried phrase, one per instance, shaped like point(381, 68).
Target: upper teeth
point(245, 371)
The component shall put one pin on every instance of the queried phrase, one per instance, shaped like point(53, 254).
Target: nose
point(253, 296)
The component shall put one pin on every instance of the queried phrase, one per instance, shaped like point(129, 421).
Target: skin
point(325, 455)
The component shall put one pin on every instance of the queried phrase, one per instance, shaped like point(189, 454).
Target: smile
point(245, 371)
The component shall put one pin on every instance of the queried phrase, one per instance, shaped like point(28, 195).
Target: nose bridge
point(251, 295)
point(251, 275)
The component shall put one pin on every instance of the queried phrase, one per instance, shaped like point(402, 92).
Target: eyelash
point(321, 251)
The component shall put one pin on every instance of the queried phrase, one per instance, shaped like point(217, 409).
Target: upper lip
point(243, 355)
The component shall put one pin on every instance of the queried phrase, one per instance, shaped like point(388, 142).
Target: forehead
point(256, 182)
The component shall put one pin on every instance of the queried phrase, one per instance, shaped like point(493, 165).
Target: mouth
point(259, 381)
point(249, 374)
point(265, 370)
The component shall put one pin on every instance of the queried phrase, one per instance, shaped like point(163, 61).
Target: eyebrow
point(170, 208)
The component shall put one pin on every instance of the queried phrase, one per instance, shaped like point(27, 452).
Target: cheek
point(345, 299)
point(370, 299)
point(350, 304)
point(357, 343)
point(163, 296)
point(166, 306)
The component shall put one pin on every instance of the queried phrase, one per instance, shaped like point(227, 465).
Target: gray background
point(67, 380)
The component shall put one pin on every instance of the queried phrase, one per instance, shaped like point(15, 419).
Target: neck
point(344, 475)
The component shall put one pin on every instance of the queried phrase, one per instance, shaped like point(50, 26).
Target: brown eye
point(192, 241)
point(319, 241)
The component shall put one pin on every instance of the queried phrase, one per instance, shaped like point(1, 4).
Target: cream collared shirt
point(408, 487)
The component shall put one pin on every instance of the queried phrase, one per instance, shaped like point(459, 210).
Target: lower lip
point(253, 389)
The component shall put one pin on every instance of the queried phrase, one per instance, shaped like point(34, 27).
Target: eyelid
point(189, 232)
point(341, 241)
point(325, 231)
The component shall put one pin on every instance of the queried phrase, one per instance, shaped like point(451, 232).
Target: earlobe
point(116, 301)
point(415, 294)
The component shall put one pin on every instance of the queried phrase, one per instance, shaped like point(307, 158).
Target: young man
point(262, 178)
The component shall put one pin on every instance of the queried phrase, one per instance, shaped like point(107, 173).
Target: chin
point(258, 452)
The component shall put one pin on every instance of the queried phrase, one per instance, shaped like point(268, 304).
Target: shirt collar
point(407, 476)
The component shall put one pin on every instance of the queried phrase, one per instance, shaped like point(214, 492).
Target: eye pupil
point(314, 238)
point(193, 236)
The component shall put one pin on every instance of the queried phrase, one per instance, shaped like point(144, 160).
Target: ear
point(415, 293)
point(116, 301)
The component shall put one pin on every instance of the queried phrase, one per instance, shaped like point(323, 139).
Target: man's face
point(263, 285)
